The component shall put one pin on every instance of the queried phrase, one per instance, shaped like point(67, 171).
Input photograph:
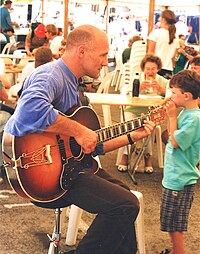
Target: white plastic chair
point(7, 48)
point(104, 88)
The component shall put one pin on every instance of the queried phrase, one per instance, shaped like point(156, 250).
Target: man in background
point(5, 16)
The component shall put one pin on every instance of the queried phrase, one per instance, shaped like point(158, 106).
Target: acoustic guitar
point(43, 166)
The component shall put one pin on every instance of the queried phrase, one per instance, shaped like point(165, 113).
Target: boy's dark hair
point(195, 60)
point(187, 81)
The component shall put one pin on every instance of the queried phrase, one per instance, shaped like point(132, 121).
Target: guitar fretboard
point(120, 129)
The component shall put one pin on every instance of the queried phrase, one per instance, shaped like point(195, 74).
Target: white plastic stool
point(74, 220)
point(140, 223)
point(75, 217)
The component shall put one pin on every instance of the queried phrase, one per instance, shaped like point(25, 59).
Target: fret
point(114, 131)
point(126, 126)
point(122, 129)
point(129, 126)
point(109, 132)
point(117, 130)
point(137, 123)
point(102, 136)
point(99, 136)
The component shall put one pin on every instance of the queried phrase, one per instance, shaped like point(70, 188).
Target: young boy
point(182, 154)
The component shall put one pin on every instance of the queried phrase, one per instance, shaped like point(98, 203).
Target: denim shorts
point(175, 208)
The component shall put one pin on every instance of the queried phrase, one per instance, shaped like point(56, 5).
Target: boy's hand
point(170, 108)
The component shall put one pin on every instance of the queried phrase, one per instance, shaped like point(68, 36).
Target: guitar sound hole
point(75, 148)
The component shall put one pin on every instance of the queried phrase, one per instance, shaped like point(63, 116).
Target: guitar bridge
point(38, 157)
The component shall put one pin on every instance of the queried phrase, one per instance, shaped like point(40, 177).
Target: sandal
point(122, 168)
point(148, 170)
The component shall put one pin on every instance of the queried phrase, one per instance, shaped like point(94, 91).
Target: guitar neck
point(120, 129)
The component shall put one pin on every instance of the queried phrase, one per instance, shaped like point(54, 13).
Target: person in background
point(9, 34)
point(35, 39)
point(4, 115)
point(3, 40)
point(42, 55)
point(182, 153)
point(164, 43)
point(53, 88)
point(5, 19)
point(184, 54)
point(62, 47)
point(181, 26)
point(195, 66)
point(127, 52)
point(54, 39)
point(152, 84)
point(60, 32)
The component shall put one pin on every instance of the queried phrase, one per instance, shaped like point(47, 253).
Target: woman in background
point(164, 43)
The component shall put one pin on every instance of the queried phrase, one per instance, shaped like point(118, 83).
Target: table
point(15, 71)
point(122, 101)
point(12, 56)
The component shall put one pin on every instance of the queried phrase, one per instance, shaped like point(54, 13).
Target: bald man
point(53, 87)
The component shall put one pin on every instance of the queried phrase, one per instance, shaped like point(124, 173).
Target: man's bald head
point(85, 34)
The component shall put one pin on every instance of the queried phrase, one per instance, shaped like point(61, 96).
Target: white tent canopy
point(176, 3)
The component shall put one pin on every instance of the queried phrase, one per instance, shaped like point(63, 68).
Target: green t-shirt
point(180, 163)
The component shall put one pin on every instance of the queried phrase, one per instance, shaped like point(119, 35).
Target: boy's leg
point(177, 239)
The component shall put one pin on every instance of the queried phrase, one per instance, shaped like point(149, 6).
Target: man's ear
point(81, 50)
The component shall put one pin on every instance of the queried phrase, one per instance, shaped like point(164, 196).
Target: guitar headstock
point(157, 114)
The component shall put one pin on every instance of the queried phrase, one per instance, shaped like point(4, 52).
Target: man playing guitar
point(50, 91)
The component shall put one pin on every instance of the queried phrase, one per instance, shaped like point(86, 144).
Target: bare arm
point(5, 85)
point(151, 46)
point(3, 94)
point(174, 57)
point(28, 45)
point(5, 82)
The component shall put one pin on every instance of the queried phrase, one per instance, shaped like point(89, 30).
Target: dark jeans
point(112, 231)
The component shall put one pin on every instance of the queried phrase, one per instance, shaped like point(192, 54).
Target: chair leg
point(74, 220)
point(56, 235)
point(107, 115)
point(140, 223)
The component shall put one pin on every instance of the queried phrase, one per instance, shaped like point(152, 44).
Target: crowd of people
point(50, 86)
